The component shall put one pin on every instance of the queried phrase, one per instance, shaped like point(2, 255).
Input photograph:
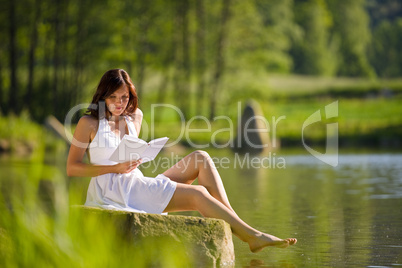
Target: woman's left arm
point(137, 117)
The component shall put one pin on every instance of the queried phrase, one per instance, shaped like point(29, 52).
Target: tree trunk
point(201, 62)
point(65, 96)
point(2, 96)
point(186, 61)
point(220, 58)
point(168, 59)
point(13, 90)
point(56, 57)
point(162, 91)
point(182, 72)
point(78, 59)
point(31, 55)
point(143, 46)
point(178, 59)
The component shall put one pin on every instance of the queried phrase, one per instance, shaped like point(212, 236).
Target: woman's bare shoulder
point(138, 111)
point(88, 119)
point(136, 115)
point(88, 122)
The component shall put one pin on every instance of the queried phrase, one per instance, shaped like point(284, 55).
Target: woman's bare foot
point(262, 240)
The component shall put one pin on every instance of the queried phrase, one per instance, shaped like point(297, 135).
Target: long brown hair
point(111, 81)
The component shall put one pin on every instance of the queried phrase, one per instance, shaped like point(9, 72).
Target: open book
point(131, 148)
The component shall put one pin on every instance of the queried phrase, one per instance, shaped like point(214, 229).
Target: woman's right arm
point(81, 139)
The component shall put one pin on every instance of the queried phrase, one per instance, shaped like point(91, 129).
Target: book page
point(134, 140)
point(155, 146)
point(130, 148)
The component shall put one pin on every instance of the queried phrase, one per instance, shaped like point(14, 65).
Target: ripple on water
point(383, 172)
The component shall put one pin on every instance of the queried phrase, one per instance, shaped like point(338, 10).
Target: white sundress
point(130, 191)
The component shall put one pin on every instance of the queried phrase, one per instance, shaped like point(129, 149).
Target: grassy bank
point(20, 137)
point(370, 123)
point(369, 114)
point(38, 228)
point(369, 111)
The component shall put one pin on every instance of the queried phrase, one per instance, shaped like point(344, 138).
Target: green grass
point(294, 84)
point(292, 98)
point(363, 107)
point(21, 137)
point(355, 117)
point(34, 234)
point(38, 232)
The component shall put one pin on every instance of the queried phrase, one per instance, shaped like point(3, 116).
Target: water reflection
point(24, 183)
point(342, 216)
point(350, 215)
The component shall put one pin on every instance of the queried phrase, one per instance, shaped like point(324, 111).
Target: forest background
point(204, 56)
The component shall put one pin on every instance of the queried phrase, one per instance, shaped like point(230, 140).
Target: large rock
point(252, 132)
point(207, 241)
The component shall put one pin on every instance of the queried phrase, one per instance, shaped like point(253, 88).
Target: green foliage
point(365, 108)
point(258, 40)
point(386, 49)
point(32, 235)
point(351, 26)
point(315, 53)
point(21, 137)
point(61, 48)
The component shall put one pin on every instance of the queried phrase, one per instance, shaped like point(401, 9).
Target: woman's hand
point(128, 166)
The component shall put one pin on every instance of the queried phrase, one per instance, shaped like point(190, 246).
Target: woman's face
point(117, 102)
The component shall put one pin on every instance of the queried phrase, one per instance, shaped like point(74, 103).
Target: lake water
point(350, 215)
point(347, 216)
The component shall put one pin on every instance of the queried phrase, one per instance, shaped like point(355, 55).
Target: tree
point(32, 50)
point(383, 10)
point(386, 46)
point(351, 26)
point(182, 57)
point(3, 55)
point(220, 57)
point(201, 63)
point(315, 53)
point(14, 90)
point(280, 29)
point(386, 49)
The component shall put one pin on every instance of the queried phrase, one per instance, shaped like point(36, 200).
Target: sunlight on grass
point(32, 235)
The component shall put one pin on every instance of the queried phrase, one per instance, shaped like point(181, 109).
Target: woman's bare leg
point(196, 197)
point(199, 165)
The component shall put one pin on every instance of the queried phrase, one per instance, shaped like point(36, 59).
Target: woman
point(114, 113)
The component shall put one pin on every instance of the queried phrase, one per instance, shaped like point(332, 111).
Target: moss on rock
point(208, 242)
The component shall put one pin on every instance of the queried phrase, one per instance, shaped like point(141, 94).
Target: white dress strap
point(131, 127)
